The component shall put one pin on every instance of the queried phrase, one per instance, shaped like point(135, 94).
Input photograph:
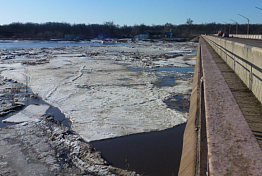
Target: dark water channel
point(155, 153)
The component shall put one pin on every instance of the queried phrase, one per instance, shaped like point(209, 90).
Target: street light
point(247, 21)
point(236, 24)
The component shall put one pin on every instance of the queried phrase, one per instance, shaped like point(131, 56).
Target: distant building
point(142, 36)
point(169, 34)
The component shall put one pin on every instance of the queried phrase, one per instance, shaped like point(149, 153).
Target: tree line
point(50, 30)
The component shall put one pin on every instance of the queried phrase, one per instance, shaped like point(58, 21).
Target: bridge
point(223, 135)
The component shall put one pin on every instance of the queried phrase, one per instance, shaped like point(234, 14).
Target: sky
point(130, 12)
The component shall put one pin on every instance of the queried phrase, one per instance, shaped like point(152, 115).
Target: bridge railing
point(245, 60)
point(249, 36)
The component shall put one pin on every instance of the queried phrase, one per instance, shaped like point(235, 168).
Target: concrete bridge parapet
point(217, 138)
point(190, 142)
point(245, 60)
point(245, 36)
point(248, 36)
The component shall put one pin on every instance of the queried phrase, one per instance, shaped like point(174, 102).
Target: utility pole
point(236, 24)
point(247, 21)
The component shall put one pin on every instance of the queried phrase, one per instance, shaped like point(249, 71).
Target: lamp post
point(236, 24)
point(247, 21)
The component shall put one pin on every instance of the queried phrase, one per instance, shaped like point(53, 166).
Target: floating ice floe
point(30, 113)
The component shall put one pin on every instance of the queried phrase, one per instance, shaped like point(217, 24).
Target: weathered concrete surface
point(188, 158)
point(245, 60)
point(248, 103)
point(43, 148)
point(232, 111)
point(232, 147)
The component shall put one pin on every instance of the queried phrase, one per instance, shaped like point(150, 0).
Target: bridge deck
point(248, 103)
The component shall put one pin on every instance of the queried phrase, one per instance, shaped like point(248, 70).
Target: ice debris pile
point(44, 148)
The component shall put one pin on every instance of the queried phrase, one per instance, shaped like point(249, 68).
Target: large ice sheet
point(101, 95)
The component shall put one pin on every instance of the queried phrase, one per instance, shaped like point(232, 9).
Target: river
point(153, 153)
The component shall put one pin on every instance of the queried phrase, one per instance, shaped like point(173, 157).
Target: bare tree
point(189, 22)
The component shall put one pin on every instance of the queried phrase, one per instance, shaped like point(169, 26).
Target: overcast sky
point(130, 12)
